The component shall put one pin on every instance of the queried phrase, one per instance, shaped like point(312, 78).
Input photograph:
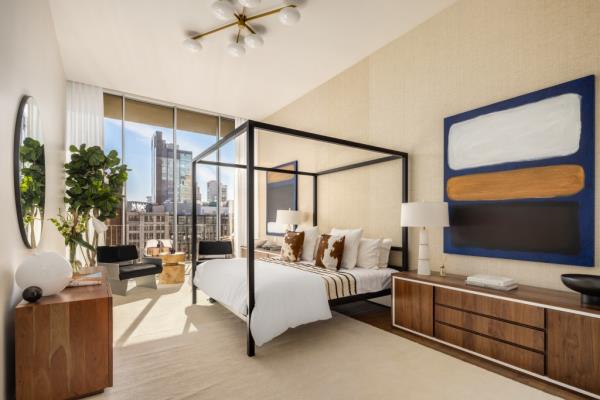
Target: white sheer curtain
point(85, 115)
point(85, 123)
point(239, 223)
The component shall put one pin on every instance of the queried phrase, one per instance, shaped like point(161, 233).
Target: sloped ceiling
point(134, 46)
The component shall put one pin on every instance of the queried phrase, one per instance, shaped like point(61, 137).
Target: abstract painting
point(519, 177)
point(282, 194)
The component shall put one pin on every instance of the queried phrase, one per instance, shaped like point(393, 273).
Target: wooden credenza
point(541, 332)
point(63, 344)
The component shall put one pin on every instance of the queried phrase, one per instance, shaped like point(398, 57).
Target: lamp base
point(423, 267)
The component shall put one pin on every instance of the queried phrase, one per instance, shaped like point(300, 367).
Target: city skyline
point(138, 155)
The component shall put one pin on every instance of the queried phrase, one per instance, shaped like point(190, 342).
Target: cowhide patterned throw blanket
point(337, 283)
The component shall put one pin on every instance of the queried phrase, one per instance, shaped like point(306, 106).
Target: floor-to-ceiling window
point(195, 132)
point(158, 144)
point(113, 140)
point(227, 181)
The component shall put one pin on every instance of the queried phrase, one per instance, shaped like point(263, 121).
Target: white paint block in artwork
point(536, 131)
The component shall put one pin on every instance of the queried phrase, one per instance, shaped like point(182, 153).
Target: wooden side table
point(173, 268)
point(63, 344)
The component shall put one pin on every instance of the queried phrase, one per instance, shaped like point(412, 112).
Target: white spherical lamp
point(192, 45)
point(223, 10)
point(48, 270)
point(254, 41)
point(289, 16)
point(249, 3)
point(236, 49)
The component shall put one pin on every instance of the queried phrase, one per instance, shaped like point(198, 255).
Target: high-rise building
point(214, 194)
point(212, 191)
point(185, 175)
point(162, 171)
point(223, 195)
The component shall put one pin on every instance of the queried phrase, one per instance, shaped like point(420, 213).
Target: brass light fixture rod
point(241, 21)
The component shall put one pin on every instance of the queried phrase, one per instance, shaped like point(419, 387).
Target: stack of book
point(492, 282)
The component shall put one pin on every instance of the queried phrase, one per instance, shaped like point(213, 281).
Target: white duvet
point(284, 297)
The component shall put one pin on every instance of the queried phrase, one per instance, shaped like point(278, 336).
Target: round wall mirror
point(29, 172)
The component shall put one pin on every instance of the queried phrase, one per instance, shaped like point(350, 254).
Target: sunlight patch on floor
point(136, 314)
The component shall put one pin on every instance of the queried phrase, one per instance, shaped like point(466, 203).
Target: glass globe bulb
point(254, 41)
point(223, 9)
point(249, 3)
point(192, 45)
point(236, 49)
point(289, 16)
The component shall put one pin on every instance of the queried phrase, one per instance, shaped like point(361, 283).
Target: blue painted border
point(585, 157)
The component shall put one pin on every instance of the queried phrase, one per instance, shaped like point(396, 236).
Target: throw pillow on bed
point(311, 238)
point(330, 252)
point(368, 253)
point(292, 246)
point(350, 245)
point(384, 253)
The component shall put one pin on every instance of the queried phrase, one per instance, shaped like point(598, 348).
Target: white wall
point(474, 53)
point(29, 64)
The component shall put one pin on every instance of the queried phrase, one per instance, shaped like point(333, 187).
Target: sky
point(138, 155)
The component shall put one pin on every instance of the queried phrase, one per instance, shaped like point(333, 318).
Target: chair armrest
point(112, 270)
point(153, 260)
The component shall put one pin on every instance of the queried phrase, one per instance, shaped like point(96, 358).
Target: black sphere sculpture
point(32, 294)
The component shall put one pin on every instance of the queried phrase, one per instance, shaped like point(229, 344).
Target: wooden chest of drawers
point(63, 344)
point(542, 332)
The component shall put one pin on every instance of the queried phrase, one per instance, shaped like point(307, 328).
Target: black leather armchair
point(122, 266)
point(207, 250)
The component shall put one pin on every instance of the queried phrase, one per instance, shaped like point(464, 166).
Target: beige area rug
point(165, 348)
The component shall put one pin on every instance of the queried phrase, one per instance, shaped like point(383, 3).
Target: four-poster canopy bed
point(250, 128)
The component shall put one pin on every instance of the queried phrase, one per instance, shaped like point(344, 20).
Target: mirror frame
point(17, 174)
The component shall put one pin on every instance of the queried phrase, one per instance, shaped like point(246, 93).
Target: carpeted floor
point(165, 348)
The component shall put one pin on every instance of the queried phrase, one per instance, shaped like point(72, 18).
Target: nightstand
point(260, 253)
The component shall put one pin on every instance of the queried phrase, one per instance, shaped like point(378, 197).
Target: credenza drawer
point(413, 306)
point(516, 334)
point(485, 305)
point(517, 356)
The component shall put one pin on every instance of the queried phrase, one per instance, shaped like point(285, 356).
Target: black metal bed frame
point(249, 128)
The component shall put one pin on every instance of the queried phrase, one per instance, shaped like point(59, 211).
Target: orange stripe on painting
point(526, 183)
point(274, 177)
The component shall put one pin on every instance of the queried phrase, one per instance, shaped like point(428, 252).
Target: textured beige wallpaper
point(472, 54)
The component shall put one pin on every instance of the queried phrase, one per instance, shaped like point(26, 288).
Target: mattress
point(371, 280)
point(286, 296)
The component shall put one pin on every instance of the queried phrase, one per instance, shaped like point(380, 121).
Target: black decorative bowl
point(587, 285)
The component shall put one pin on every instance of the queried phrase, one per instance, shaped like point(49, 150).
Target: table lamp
point(288, 217)
point(424, 214)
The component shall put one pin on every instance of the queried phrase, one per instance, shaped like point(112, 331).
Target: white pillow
point(350, 245)
point(384, 252)
point(368, 253)
point(311, 239)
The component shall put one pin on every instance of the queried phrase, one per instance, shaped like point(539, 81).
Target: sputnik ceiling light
point(246, 35)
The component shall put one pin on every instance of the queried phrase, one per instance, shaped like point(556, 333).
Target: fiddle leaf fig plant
point(32, 184)
point(94, 187)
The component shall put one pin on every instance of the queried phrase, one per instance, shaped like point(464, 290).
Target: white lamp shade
point(48, 270)
point(192, 45)
point(289, 16)
point(249, 3)
point(236, 49)
point(424, 214)
point(223, 9)
point(288, 217)
point(253, 41)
